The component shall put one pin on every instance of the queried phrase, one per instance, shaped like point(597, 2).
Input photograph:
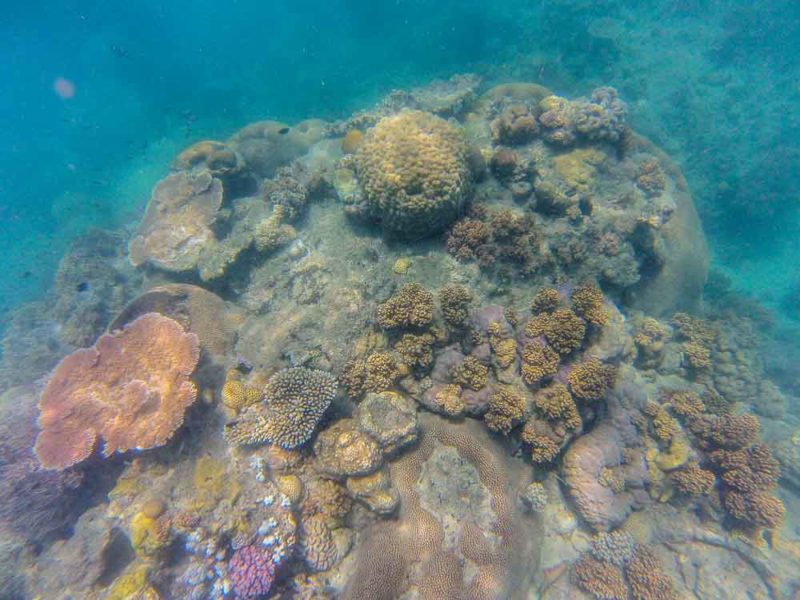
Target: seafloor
point(454, 346)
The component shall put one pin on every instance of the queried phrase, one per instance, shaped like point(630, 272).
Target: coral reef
point(414, 171)
point(454, 301)
point(251, 571)
point(602, 580)
point(131, 390)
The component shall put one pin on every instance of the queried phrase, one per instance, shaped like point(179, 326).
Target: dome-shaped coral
point(131, 389)
point(414, 171)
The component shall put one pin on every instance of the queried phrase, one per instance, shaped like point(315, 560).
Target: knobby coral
point(411, 306)
point(415, 174)
point(131, 389)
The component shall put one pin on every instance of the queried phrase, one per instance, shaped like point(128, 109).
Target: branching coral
point(545, 444)
point(538, 361)
point(411, 306)
point(602, 117)
point(563, 329)
point(556, 403)
point(507, 408)
point(455, 301)
point(416, 350)
point(471, 373)
point(545, 300)
point(130, 389)
point(294, 401)
point(693, 481)
point(646, 577)
point(601, 579)
point(414, 171)
point(591, 379)
point(588, 303)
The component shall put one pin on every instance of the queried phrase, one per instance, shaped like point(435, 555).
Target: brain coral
point(130, 389)
point(414, 171)
point(176, 226)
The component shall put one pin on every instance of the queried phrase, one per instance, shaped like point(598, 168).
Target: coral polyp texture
point(414, 171)
point(292, 405)
point(130, 390)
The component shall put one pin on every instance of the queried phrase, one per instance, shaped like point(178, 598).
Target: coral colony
point(449, 347)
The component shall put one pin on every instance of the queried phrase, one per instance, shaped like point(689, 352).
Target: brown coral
point(693, 481)
point(455, 301)
point(471, 373)
point(556, 403)
point(218, 158)
point(588, 303)
point(516, 125)
point(591, 379)
point(735, 431)
point(545, 300)
point(414, 171)
point(538, 361)
point(411, 306)
point(131, 389)
point(601, 579)
point(563, 329)
point(416, 350)
point(646, 577)
point(544, 443)
point(650, 178)
point(507, 408)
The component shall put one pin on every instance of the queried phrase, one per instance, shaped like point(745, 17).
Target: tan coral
point(591, 379)
point(588, 303)
point(563, 329)
point(414, 171)
point(646, 576)
point(507, 409)
point(217, 157)
point(455, 301)
point(556, 403)
point(131, 389)
point(411, 306)
point(546, 300)
point(601, 579)
point(176, 227)
point(342, 450)
point(538, 362)
point(471, 373)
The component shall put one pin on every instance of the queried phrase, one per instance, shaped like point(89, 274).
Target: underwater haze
point(405, 299)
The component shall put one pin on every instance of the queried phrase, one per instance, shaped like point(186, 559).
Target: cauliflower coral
point(414, 171)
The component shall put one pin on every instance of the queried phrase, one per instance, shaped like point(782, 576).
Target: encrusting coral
point(414, 171)
point(130, 389)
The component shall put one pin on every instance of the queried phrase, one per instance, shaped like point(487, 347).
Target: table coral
point(130, 389)
point(410, 306)
point(414, 170)
point(176, 227)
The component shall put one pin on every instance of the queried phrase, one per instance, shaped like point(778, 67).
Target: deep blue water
point(713, 82)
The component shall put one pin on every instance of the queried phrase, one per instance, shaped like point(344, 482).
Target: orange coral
point(130, 389)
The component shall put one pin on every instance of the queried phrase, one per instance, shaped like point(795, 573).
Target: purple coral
point(251, 571)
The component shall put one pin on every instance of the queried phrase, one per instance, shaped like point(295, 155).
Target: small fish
point(118, 51)
point(283, 130)
point(82, 286)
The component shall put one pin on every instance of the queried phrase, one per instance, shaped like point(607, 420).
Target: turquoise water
point(305, 274)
